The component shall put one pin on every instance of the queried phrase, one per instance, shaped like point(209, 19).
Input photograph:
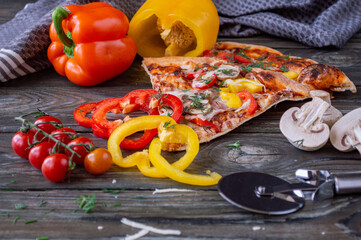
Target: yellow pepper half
point(240, 84)
point(174, 28)
point(232, 100)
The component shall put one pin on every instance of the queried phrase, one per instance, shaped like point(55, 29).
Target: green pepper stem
point(59, 14)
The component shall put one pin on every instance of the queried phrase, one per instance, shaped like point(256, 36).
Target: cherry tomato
point(80, 149)
point(98, 161)
point(60, 134)
point(39, 152)
point(55, 167)
point(44, 124)
point(21, 142)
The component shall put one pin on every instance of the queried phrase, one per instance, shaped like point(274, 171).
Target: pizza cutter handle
point(347, 183)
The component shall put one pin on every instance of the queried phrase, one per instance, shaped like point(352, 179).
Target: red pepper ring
point(81, 112)
point(175, 103)
point(207, 125)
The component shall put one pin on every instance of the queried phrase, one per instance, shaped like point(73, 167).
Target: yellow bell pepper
point(232, 99)
point(240, 84)
point(176, 174)
point(291, 74)
point(173, 133)
point(174, 28)
point(128, 128)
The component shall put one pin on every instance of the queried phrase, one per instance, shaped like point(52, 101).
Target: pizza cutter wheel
point(262, 193)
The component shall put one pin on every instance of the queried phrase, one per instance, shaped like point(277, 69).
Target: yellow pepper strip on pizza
point(233, 83)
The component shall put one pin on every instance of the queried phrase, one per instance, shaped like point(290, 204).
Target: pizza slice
point(233, 83)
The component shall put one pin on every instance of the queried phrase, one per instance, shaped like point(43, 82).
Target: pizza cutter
point(263, 193)
point(329, 184)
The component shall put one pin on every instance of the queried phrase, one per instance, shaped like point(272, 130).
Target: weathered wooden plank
point(190, 212)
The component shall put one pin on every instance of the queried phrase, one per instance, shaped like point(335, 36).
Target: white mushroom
point(346, 132)
point(227, 72)
point(303, 127)
point(332, 114)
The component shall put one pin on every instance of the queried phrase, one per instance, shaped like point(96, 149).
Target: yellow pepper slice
point(177, 27)
point(178, 175)
point(176, 133)
point(240, 84)
point(232, 99)
point(291, 74)
point(128, 128)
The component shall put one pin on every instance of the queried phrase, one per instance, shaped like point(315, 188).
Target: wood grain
point(199, 214)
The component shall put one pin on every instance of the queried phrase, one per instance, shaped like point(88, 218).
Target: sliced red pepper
point(81, 112)
point(225, 55)
point(175, 103)
point(195, 74)
point(245, 96)
point(208, 53)
point(204, 82)
point(99, 132)
point(241, 59)
point(206, 124)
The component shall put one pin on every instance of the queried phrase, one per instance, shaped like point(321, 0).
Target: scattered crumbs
point(171, 190)
point(323, 233)
point(115, 196)
point(19, 206)
point(114, 181)
point(256, 228)
point(31, 221)
point(100, 227)
point(16, 219)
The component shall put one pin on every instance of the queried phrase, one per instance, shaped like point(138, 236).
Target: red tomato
point(78, 146)
point(225, 55)
point(39, 152)
point(204, 81)
point(241, 59)
point(47, 124)
point(55, 167)
point(64, 135)
point(195, 74)
point(98, 161)
point(21, 142)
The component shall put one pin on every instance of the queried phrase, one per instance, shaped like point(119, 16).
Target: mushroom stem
point(311, 114)
point(357, 131)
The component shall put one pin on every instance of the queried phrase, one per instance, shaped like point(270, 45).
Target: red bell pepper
point(245, 96)
point(172, 101)
point(206, 124)
point(81, 112)
point(90, 43)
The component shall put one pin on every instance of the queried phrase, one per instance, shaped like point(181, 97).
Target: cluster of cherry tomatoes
point(56, 150)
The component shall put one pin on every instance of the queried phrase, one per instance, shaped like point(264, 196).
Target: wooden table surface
point(198, 214)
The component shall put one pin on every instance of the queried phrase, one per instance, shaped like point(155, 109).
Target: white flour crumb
point(114, 181)
point(100, 227)
point(256, 228)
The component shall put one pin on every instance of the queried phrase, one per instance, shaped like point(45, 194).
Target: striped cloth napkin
point(24, 39)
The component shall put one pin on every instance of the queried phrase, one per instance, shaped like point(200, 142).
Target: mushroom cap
point(304, 139)
point(344, 128)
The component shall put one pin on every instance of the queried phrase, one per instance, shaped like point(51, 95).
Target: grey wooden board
point(200, 214)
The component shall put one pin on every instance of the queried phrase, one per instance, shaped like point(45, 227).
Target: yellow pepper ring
point(176, 174)
point(128, 128)
point(173, 134)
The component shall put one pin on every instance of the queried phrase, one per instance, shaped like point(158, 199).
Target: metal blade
point(325, 191)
